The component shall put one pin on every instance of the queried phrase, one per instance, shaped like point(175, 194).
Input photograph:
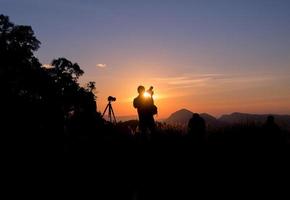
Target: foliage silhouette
point(39, 104)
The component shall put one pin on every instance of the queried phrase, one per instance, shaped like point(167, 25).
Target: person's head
point(141, 89)
point(270, 119)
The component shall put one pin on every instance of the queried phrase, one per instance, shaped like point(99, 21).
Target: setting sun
point(146, 95)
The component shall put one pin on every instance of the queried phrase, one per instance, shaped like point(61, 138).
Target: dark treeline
point(44, 109)
point(40, 104)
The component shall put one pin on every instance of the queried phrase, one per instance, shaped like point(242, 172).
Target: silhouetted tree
point(20, 73)
point(91, 86)
point(39, 104)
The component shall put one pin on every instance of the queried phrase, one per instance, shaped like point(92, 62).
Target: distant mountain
point(211, 121)
point(242, 118)
point(236, 118)
point(181, 117)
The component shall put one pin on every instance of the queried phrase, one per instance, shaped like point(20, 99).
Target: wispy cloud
point(167, 79)
point(189, 80)
point(188, 77)
point(248, 78)
point(227, 88)
point(101, 65)
point(217, 81)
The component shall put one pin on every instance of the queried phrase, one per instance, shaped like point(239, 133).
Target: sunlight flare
point(146, 95)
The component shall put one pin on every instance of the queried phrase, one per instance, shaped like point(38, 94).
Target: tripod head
point(111, 98)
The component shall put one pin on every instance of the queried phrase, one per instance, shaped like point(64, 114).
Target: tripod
point(111, 113)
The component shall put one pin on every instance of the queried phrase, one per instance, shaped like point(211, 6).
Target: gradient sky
point(215, 56)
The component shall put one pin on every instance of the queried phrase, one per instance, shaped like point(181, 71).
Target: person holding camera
point(146, 110)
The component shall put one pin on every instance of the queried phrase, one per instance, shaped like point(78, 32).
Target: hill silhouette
point(245, 118)
point(182, 116)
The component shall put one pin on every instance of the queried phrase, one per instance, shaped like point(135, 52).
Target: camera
point(110, 98)
point(150, 91)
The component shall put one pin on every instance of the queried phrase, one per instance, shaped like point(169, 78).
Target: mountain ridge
point(183, 115)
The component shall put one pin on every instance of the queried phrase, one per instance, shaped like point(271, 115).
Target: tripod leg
point(105, 110)
point(113, 115)
point(110, 113)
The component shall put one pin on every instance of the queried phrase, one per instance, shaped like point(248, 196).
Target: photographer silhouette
point(146, 109)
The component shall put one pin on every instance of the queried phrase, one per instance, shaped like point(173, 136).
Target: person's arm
point(135, 103)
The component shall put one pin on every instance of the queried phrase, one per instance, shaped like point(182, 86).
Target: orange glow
point(146, 95)
point(211, 93)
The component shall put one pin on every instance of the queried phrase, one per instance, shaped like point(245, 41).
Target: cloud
point(189, 80)
point(100, 65)
point(192, 80)
point(47, 66)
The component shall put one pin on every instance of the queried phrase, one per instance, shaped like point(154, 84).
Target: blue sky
point(140, 42)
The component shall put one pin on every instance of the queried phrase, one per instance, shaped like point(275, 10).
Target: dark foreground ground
point(179, 172)
point(115, 165)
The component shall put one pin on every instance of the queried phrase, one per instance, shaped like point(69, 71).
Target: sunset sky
point(214, 56)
